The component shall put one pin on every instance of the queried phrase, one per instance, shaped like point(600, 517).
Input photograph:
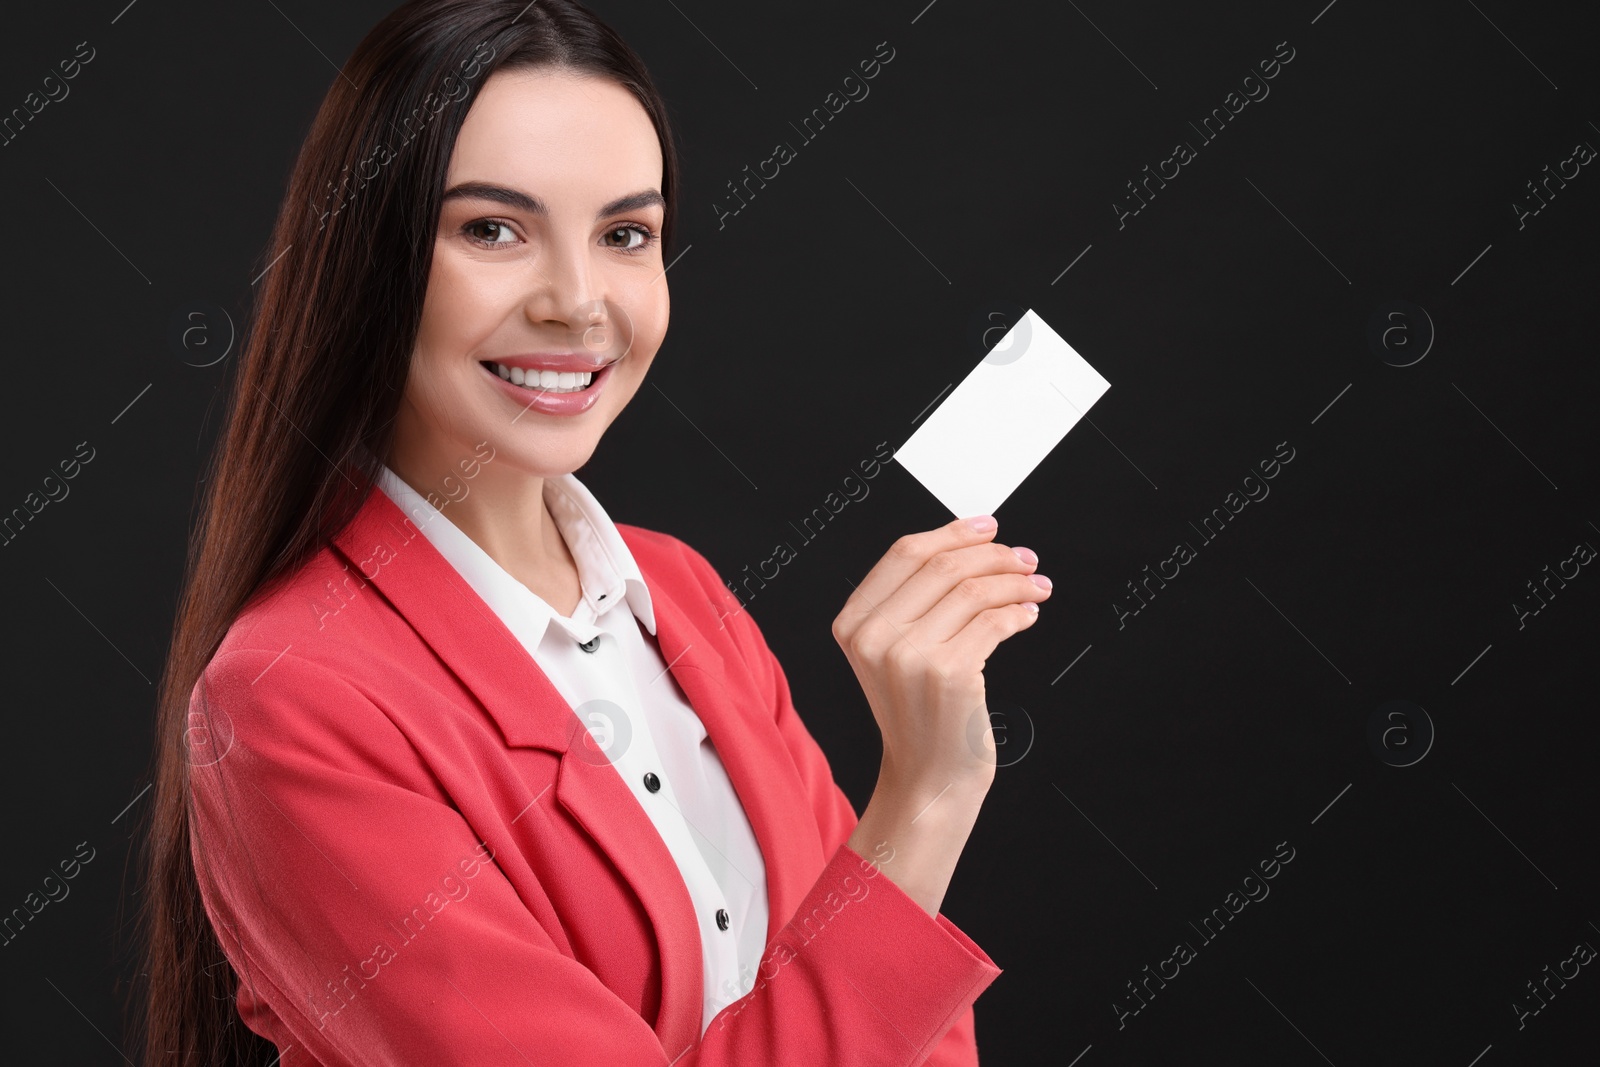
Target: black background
point(1230, 715)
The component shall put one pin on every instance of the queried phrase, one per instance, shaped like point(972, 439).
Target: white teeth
point(549, 381)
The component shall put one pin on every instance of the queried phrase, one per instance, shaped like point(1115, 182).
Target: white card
point(1002, 420)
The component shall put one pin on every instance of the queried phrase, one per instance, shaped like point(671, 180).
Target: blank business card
point(1003, 419)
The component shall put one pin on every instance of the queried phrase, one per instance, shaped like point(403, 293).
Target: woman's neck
point(502, 510)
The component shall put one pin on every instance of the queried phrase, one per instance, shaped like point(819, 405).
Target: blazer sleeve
point(836, 820)
point(370, 926)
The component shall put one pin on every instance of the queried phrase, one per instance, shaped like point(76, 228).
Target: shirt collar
point(607, 570)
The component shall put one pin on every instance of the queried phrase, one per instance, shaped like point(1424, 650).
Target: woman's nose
point(565, 289)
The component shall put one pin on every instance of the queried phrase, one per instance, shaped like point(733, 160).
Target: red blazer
point(411, 856)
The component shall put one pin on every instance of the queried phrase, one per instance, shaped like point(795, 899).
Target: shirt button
point(651, 782)
point(722, 919)
point(591, 644)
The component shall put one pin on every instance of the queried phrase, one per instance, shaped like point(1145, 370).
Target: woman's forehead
point(551, 128)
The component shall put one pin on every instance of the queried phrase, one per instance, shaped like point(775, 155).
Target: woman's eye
point(629, 231)
point(491, 232)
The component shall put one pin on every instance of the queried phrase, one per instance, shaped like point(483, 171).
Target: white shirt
point(637, 715)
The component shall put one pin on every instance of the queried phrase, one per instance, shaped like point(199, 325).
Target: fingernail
point(1040, 580)
point(1026, 555)
point(1031, 606)
point(982, 523)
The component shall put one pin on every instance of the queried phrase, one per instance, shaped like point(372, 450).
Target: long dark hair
point(313, 403)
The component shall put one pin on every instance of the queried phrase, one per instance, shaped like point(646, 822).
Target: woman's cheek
point(650, 312)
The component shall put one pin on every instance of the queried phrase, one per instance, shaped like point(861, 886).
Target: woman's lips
point(548, 403)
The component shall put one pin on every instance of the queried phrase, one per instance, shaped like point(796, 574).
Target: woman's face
point(547, 255)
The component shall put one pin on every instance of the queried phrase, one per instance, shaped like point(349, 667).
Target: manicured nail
point(1026, 555)
point(982, 523)
point(1040, 580)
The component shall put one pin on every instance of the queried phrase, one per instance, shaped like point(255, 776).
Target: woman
point(454, 770)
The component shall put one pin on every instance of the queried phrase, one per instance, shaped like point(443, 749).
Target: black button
point(591, 644)
point(722, 919)
point(651, 782)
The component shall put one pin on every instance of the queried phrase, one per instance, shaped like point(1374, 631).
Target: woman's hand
point(917, 632)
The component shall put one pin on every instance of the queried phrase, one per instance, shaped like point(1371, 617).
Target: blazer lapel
point(753, 753)
point(530, 712)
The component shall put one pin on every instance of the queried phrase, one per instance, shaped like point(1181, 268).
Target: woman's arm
point(836, 817)
point(921, 813)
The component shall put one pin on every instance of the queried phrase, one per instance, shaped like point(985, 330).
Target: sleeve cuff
point(919, 972)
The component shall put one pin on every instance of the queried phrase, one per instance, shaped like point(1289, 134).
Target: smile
point(546, 381)
point(549, 392)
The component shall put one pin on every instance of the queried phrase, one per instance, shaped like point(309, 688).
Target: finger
point(972, 597)
point(944, 572)
point(904, 558)
point(978, 639)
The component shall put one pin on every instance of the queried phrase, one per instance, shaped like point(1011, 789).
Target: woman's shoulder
point(709, 601)
point(669, 556)
point(323, 611)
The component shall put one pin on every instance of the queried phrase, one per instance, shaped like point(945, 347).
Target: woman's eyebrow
point(522, 201)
